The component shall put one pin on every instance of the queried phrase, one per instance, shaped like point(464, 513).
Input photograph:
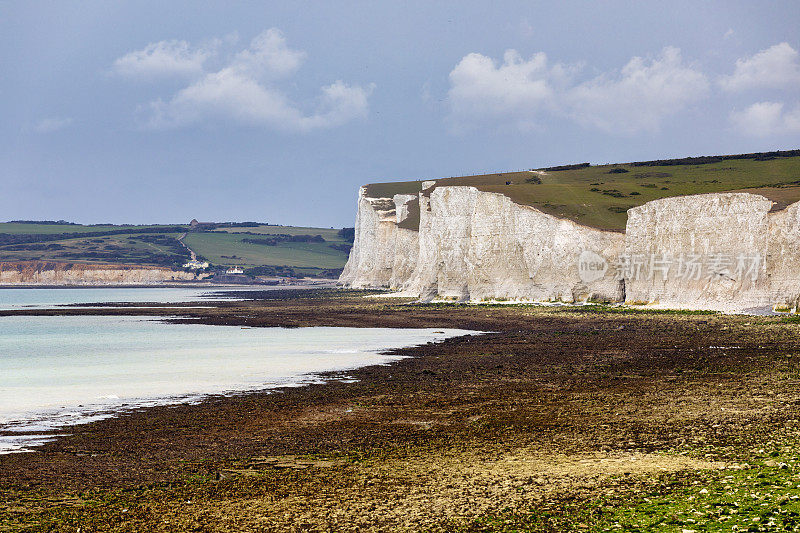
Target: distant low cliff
point(57, 273)
point(724, 251)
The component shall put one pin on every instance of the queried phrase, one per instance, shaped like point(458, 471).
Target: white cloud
point(49, 125)
point(164, 58)
point(728, 34)
point(777, 66)
point(268, 55)
point(245, 90)
point(520, 91)
point(228, 94)
point(763, 119)
point(516, 90)
point(640, 97)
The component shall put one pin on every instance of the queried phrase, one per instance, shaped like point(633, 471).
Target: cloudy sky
point(277, 111)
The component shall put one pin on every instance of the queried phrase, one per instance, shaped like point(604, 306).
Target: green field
point(224, 248)
point(16, 228)
point(595, 196)
point(161, 245)
point(329, 234)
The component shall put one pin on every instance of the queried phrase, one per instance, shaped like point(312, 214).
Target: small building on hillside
point(196, 225)
point(194, 264)
point(234, 270)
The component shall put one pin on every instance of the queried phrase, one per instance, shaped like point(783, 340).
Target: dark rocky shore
point(553, 421)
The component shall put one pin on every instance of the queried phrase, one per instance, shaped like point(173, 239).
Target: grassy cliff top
point(599, 196)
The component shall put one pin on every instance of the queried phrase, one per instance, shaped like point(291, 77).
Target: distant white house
point(194, 264)
point(234, 270)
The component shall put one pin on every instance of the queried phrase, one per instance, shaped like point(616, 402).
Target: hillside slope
point(277, 250)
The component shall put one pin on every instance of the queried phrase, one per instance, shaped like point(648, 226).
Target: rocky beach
point(551, 421)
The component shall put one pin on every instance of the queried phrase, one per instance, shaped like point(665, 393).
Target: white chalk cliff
point(60, 273)
point(479, 246)
point(735, 253)
point(474, 245)
point(383, 255)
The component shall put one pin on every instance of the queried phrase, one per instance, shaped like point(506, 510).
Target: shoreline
point(173, 285)
point(43, 424)
point(458, 431)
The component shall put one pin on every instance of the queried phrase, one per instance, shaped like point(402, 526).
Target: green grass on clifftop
point(599, 196)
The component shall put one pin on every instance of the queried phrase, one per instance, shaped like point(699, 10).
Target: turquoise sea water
point(60, 371)
point(12, 298)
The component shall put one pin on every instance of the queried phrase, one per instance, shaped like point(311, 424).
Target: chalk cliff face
point(783, 256)
point(722, 251)
point(703, 251)
point(383, 255)
point(474, 245)
point(477, 245)
point(54, 273)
